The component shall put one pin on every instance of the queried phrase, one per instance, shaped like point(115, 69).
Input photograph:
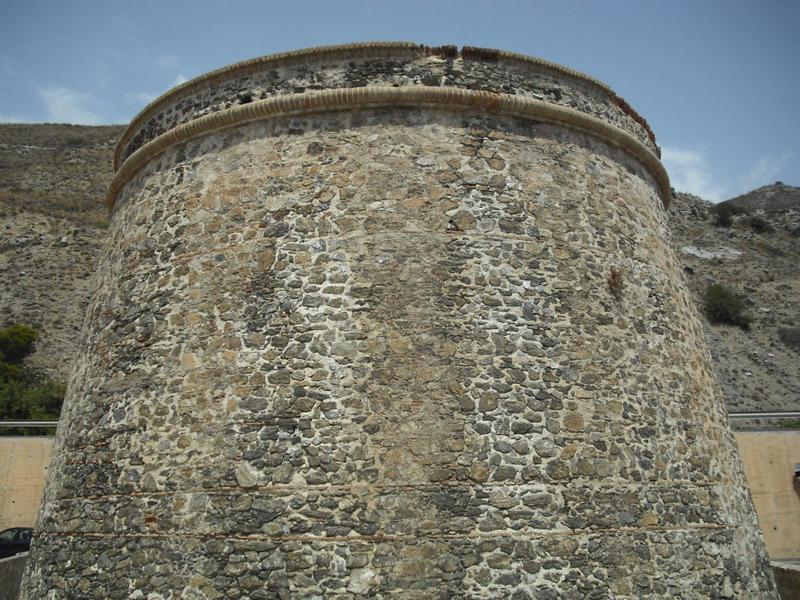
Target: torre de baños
point(390, 321)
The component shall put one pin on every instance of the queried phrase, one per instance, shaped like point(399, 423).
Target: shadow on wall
point(787, 578)
point(11, 570)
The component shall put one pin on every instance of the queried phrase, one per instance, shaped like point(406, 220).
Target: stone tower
point(385, 320)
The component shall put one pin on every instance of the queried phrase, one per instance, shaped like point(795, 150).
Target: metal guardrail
point(765, 415)
point(44, 424)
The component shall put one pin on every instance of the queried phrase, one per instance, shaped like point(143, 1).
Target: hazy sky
point(719, 81)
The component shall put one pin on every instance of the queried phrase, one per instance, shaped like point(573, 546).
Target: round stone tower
point(386, 320)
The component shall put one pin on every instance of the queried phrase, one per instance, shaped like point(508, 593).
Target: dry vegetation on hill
point(52, 224)
point(758, 257)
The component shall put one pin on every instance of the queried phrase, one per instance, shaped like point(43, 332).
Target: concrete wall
point(769, 458)
point(11, 570)
point(23, 469)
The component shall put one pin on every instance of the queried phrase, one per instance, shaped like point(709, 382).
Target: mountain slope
point(52, 226)
point(759, 259)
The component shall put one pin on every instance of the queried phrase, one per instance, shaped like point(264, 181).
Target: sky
point(718, 80)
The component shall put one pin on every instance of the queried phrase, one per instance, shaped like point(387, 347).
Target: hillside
point(53, 221)
point(758, 256)
point(52, 225)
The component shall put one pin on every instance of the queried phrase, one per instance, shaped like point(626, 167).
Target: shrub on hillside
point(16, 342)
point(30, 400)
point(790, 336)
point(725, 214)
point(24, 395)
point(723, 305)
point(760, 224)
point(76, 141)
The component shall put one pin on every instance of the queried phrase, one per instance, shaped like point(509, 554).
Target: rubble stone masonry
point(422, 345)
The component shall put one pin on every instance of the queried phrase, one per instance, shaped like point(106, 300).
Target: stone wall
point(768, 459)
point(394, 352)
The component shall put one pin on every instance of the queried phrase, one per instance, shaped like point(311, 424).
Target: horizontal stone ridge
point(379, 96)
point(414, 536)
point(557, 566)
point(197, 91)
point(380, 511)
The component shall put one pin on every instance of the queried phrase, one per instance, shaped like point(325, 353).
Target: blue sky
point(719, 81)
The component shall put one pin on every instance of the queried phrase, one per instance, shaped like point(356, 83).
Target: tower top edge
point(446, 98)
point(359, 50)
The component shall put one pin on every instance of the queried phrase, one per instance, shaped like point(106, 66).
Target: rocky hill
point(52, 225)
point(53, 221)
point(758, 256)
